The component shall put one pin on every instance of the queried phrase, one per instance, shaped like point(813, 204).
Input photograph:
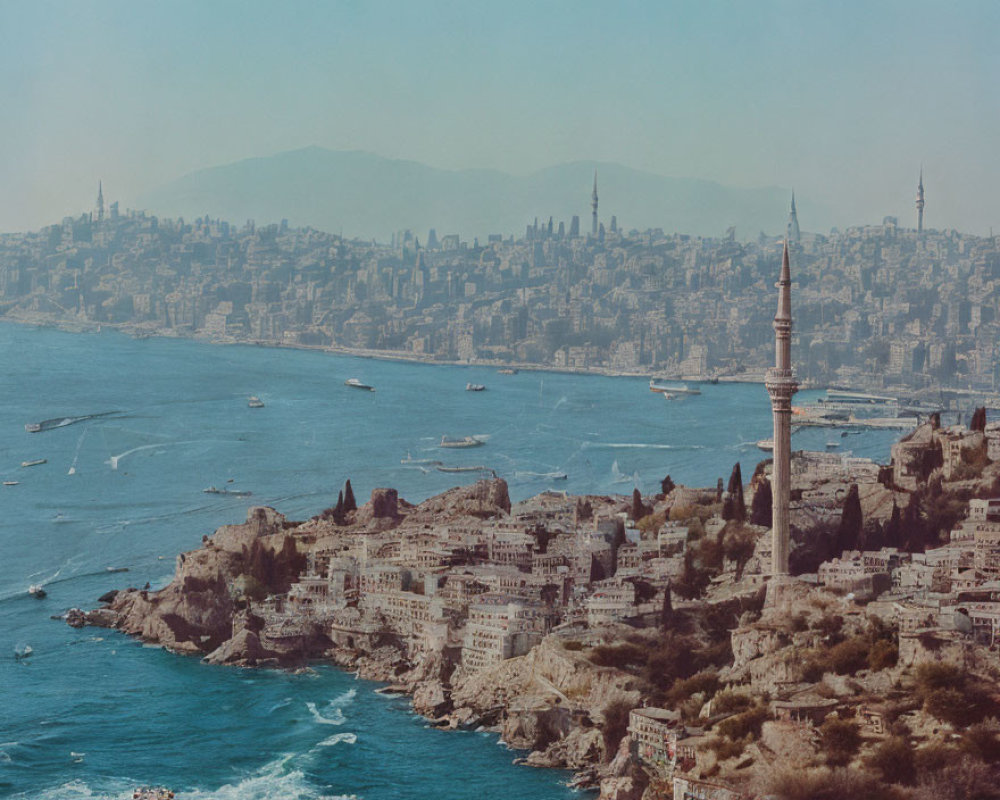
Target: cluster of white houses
point(492, 588)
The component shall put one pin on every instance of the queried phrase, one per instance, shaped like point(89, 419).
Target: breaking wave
point(273, 781)
point(337, 738)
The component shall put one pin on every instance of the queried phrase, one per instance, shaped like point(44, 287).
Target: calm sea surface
point(91, 714)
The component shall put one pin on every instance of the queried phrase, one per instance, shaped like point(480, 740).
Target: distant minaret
point(920, 202)
point(781, 385)
point(100, 202)
point(793, 224)
point(593, 205)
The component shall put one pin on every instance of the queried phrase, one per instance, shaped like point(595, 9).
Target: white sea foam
point(641, 446)
point(337, 738)
point(274, 781)
point(336, 718)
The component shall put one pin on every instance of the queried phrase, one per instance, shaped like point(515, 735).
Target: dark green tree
point(851, 522)
point(349, 502)
point(978, 421)
point(735, 506)
point(667, 485)
point(760, 509)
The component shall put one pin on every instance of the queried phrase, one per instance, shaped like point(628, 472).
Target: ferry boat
point(462, 441)
point(478, 468)
point(232, 492)
point(35, 462)
point(474, 387)
point(666, 388)
point(507, 371)
point(354, 383)
point(10, 483)
point(255, 402)
point(766, 445)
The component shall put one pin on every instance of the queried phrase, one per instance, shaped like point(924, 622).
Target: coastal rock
point(484, 499)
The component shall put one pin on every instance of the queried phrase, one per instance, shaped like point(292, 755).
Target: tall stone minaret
point(794, 235)
point(100, 201)
point(593, 205)
point(781, 385)
point(920, 202)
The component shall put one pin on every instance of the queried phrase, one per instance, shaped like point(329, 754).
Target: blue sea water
point(92, 714)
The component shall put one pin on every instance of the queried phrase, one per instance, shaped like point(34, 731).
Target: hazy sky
point(841, 100)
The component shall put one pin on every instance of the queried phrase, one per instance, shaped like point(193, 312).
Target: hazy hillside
point(368, 196)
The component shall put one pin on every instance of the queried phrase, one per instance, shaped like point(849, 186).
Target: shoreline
point(137, 331)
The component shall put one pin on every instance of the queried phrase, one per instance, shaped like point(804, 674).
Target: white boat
point(10, 483)
point(832, 445)
point(354, 383)
point(255, 402)
point(766, 444)
point(671, 389)
point(668, 396)
point(22, 651)
point(474, 387)
point(35, 462)
point(463, 441)
point(37, 591)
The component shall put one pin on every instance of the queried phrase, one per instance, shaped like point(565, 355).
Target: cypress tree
point(892, 535)
point(978, 422)
point(637, 509)
point(735, 506)
point(349, 502)
point(667, 485)
point(760, 509)
point(851, 522)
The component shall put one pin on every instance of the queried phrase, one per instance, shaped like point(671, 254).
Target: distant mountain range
point(367, 196)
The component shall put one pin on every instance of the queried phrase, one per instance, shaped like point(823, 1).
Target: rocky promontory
point(638, 640)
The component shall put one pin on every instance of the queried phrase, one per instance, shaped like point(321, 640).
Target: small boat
point(22, 651)
point(662, 387)
point(478, 468)
point(255, 402)
point(463, 441)
point(35, 462)
point(474, 387)
point(507, 371)
point(354, 383)
point(668, 396)
point(832, 445)
point(766, 444)
point(116, 569)
point(36, 591)
point(10, 483)
point(232, 492)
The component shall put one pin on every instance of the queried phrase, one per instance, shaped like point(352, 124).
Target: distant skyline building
point(920, 202)
point(793, 233)
point(574, 226)
point(100, 201)
point(781, 385)
point(593, 205)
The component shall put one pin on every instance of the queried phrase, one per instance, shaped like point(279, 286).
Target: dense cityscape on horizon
point(876, 305)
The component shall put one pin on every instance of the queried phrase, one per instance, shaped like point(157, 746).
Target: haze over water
point(92, 714)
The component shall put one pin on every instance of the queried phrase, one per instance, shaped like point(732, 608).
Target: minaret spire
point(781, 385)
point(593, 205)
point(100, 201)
point(920, 201)
point(794, 234)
